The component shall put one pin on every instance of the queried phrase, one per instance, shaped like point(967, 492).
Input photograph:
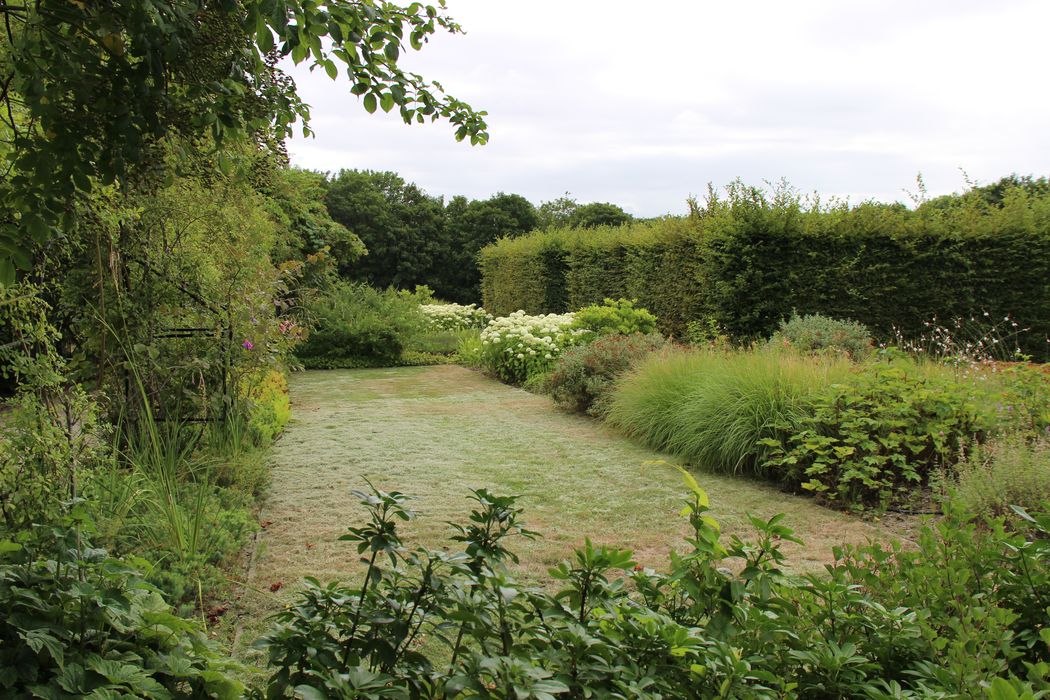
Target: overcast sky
point(643, 104)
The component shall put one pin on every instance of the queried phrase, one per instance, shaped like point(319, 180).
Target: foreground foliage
point(79, 624)
point(963, 614)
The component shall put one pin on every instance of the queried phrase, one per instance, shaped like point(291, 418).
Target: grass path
point(435, 432)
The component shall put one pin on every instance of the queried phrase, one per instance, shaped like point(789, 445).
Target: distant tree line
point(415, 238)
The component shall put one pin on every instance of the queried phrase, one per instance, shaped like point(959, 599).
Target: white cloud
point(644, 104)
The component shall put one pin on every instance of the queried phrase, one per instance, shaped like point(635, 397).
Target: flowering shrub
point(585, 375)
point(454, 317)
point(518, 346)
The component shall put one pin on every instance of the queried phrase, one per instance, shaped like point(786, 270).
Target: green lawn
point(435, 432)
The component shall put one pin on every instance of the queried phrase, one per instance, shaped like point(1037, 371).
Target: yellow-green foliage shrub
point(271, 408)
point(615, 316)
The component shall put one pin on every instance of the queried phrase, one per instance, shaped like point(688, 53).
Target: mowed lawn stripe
point(436, 432)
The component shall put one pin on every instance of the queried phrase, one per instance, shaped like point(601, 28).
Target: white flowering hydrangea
point(454, 317)
point(517, 346)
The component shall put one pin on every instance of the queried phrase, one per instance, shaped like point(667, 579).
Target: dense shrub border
point(752, 259)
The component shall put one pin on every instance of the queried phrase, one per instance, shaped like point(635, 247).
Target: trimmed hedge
point(525, 273)
point(752, 259)
point(655, 263)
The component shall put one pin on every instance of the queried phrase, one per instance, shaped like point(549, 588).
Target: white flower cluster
point(453, 317)
point(515, 346)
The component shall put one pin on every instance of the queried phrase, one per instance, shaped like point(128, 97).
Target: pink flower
point(247, 345)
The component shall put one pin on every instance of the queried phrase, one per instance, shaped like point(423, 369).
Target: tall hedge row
point(554, 271)
point(751, 259)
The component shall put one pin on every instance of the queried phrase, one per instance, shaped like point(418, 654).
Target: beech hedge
point(753, 258)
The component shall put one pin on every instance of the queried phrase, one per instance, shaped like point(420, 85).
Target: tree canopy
point(566, 212)
point(90, 90)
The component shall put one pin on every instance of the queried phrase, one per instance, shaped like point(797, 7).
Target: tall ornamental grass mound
point(715, 409)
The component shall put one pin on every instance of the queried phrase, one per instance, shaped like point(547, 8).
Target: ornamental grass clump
point(519, 346)
point(455, 317)
point(715, 409)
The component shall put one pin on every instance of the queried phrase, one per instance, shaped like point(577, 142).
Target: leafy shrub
point(584, 375)
point(518, 346)
point(355, 322)
point(1008, 471)
point(270, 407)
point(77, 623)
point(815, 333)
point(963, 609)
point(715, 409)
point(614, 316)
point(41, 455)
point(876, 438)
point(706, 333)
point(1017, 394)
point(454, 317)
